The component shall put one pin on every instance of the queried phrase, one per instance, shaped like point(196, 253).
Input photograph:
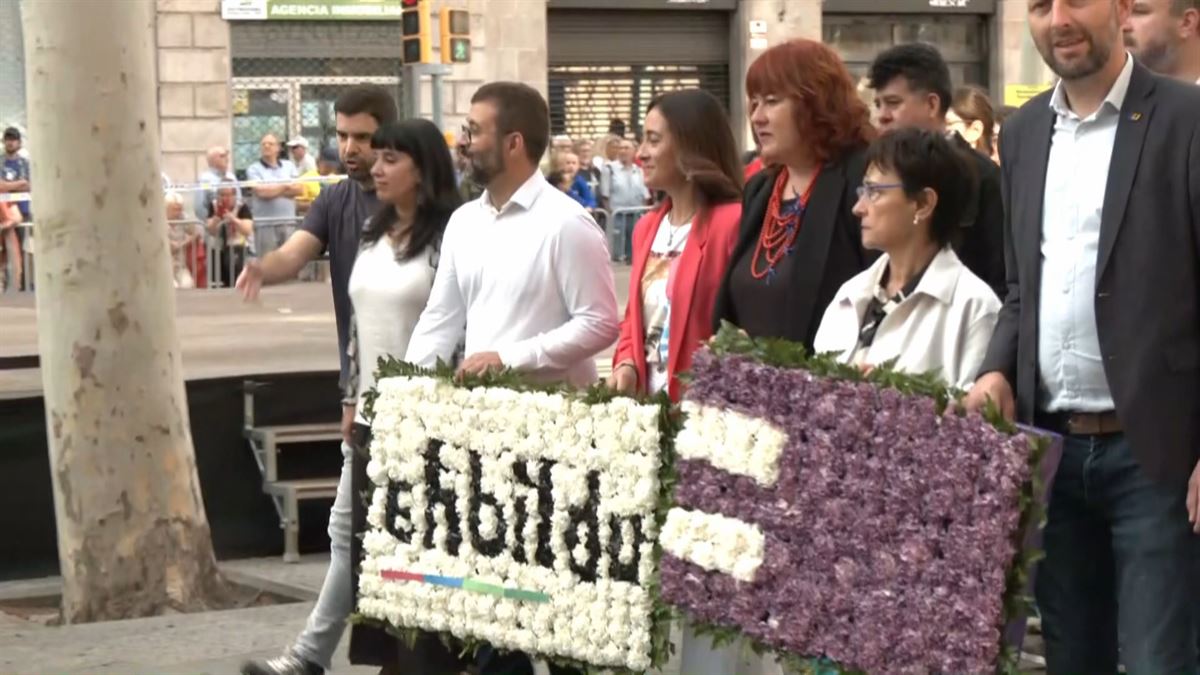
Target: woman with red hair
point(799, 239)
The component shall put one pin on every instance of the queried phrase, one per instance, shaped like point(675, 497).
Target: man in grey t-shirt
point(333, 223)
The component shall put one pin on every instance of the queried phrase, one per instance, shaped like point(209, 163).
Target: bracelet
point(630, 365)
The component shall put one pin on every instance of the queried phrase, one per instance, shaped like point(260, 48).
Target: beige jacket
point(945, 325)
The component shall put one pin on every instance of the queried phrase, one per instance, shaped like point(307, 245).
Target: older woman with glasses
point(918, 305)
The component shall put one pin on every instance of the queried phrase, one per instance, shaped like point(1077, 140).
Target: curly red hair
point(829, 115)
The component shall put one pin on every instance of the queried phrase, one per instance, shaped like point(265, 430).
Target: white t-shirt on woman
point(388, 297)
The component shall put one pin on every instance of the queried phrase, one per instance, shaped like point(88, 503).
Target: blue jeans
point(1118, 583)
point(620, 236)
point(327, 621)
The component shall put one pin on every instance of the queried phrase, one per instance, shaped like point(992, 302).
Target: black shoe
point(288, 664)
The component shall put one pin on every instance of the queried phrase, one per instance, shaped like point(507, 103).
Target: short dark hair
point(519, 109)
point(1180, 6)
point(927, 159)
point(920, 64)
point(371, 99)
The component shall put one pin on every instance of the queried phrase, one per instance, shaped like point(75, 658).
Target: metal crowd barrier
point(618, 224)
point(199, 259)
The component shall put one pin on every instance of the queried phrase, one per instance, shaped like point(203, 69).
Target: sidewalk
point(209, 643)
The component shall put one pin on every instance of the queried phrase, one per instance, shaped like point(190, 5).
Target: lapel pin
point(1136, 117)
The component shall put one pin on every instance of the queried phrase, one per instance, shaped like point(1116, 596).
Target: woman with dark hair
point(799, 240)
point(918, 305)
point(971, 115)
point(681, 249)
point(389, 288)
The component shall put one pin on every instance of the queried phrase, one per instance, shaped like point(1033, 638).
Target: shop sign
point(1016, 95)
point(310, 10)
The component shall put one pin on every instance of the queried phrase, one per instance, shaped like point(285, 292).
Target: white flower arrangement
point(731, 441)
point(714, 542)
point(461, 480)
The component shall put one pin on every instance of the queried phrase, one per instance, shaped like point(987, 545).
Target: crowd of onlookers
point(230, 223)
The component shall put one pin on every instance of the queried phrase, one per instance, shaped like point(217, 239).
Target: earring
point(916, 221)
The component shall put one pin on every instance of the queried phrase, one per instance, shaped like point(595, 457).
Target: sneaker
point(288, 664)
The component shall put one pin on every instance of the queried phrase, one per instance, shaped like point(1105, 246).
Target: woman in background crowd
point(567, 173)
point(918, 304)
point(231, 225)
point(681, 249)
point(971, 116)
point(799, 240)
point(586, 151)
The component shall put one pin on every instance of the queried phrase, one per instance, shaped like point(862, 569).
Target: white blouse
point(388, 298)
point(944, 325)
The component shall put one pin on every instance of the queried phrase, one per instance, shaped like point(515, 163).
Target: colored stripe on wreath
point(466, 584)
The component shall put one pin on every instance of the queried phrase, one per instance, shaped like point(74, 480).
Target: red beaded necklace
point(780, 227)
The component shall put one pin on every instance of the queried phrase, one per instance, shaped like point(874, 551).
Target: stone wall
point(508, 42)
point(193, 77)
point(785, 19)
point(1015, 58)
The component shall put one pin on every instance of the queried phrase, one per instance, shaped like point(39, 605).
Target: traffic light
point(414, 20)
point(456, 35)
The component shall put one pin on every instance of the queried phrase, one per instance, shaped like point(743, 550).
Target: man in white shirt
point(1099, 335)
point(523, 276)
point(1164, 36)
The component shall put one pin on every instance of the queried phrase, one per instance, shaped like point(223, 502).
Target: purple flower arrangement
point(891, 535)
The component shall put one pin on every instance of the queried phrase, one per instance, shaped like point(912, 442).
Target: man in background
point(1164, 35)
point(217, 172)
point(15, 178)
point(623, 186)
point(274, 206)
point(298, 147)
point(912, 89)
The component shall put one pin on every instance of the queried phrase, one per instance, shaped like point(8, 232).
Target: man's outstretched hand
point(250, 281)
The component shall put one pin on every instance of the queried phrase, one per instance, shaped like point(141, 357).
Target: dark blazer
point(980, 245)
point(1148, 268)
point(829, 247)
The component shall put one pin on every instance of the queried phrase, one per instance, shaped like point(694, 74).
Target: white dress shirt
point(529, 280)
point(1070, 367)
point(944, 325)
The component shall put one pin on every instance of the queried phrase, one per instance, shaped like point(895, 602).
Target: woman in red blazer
point(680, 250)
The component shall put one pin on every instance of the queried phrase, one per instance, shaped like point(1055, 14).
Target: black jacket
point(1147, 293)
point(980, 244)
point(829, 246)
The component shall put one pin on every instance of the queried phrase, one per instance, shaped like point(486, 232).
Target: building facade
point(229, 71)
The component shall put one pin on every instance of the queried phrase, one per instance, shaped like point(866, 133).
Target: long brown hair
point(704, 146)
point(972, 104)
point(829, 114)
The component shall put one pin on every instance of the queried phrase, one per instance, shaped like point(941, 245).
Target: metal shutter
point(608, 64)
point(961, 38)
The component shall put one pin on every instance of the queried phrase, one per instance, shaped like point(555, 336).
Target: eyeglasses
point(872, 190)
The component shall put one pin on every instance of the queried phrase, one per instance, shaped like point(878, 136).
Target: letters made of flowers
point(527, 519)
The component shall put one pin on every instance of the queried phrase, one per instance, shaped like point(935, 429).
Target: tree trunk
point(133, 539)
